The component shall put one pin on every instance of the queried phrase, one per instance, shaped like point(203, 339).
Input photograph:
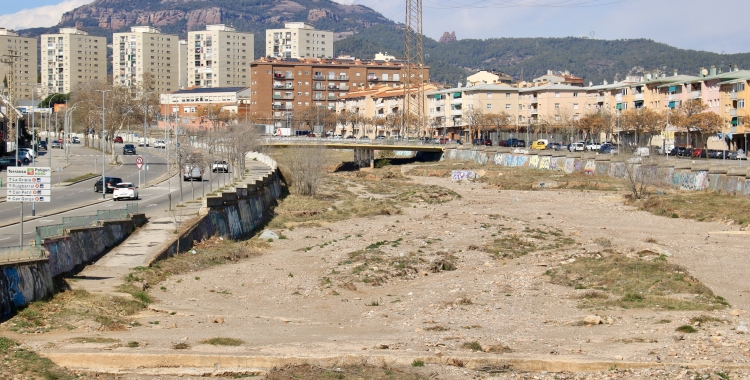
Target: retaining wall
point(680, 174)
point(236, 214)
point(24, 282)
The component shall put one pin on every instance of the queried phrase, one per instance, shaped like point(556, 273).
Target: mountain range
point(361, 32)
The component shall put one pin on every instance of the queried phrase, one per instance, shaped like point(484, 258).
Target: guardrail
point(69, 222)
point(354, 142)
point(12, 254)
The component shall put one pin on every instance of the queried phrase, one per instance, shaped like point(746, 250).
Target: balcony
point(618, 98)
point(319, 87)
point(733, 95)
point(600, 99)
point(456, 112)
point(288, 97)
point(534, 111)
point(456, 100)
point(639, 97)
point(696, 94)
point(319, 77)
point(379, 105)
point(534, 100)
point(344, 88)
point(278, 106)
point(283, 86)
point(372, 78)
point(283, 76)
point(331, 97)
point(733, 112)
point(342, 77)
point(332, 87)
point(439, 103)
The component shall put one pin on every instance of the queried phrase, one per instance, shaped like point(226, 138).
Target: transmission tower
point(414, 56)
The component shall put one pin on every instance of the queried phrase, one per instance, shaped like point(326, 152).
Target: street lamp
point(104, 182)
point(33, 135)
point(145, 117)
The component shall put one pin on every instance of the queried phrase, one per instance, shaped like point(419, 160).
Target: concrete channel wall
point(683, 174)
point(233, 214)
point(27, 281)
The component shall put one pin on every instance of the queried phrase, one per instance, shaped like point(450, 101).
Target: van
point(143, 140)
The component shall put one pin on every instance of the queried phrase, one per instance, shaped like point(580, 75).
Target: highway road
point(75, 200)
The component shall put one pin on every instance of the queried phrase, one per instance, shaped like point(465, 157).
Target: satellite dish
point(704, 72)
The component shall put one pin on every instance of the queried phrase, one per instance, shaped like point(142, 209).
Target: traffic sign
point(21, 198)
point(29, 179)
point(29, 172)
point(28, 192)
point(139, 162)
point(29, 186)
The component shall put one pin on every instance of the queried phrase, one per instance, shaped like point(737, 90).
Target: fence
point(68, 222)
point(8, 254)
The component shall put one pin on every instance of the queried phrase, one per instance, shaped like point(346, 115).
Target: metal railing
point(68, 222)
point(10, 254)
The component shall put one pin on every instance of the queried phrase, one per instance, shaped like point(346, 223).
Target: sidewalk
point(106, 275)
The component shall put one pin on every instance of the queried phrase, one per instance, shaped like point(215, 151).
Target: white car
point(577, 147)
point(220, 166)
point(592, 146)
point(125, 190)
point(160, 144)
point(192, 173)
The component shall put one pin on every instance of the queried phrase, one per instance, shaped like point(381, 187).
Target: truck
point(283, 132)
point(143, 140)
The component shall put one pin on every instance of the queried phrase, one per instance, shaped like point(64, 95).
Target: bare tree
point(643, 120)
point(499, 120)
point(306, 166)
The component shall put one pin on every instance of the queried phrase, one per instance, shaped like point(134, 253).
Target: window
point(489, 106)
point(575, 94)
point(557, 105)
point(557, 94)
point(507, 106)
point(507, 94)
point(741, 103)
point(489, 94)
point(575, 106)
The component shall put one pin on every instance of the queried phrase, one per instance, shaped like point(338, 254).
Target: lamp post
point(145, 118)
point(104, 182)
point(33, 135)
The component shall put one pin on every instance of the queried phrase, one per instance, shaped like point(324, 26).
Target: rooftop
point(328, 62)
point(206, 90)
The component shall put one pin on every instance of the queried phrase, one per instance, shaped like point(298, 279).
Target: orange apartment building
point(279, 86)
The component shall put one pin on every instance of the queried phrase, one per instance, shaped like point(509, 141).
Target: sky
point(687, 24)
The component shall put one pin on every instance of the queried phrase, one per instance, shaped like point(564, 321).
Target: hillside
point(594, 60)
point(103, 17)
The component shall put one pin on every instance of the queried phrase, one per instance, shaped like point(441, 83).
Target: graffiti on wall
point(544, 162)
point(459, 175)
point(22, 284)
point(534, 162)
point(590, 167)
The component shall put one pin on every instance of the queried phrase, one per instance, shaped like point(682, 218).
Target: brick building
point(188, 105)
point(280, 86)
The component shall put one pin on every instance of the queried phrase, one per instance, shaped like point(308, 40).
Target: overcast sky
point(688, 24)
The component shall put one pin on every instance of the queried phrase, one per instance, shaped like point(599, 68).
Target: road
point(75, 200)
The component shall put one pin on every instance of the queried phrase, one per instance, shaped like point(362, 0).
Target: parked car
point(125, 190)
point(554, 146)
point(485, 142)
point(110, 184)
point(684, 151)
point(513, 142)
point(56, 144)
point(723, 154)
point(350, 137)
point(118, 140)
point(380, 137)
point(700, 153)
point(577, 147)
point(75, 140)
point(364, 138)
point(608, 149)
point(9, 161)
point(338, 137)
point(25, 155)
point(160, 144)
point(220, 166)
point(31, 151)
point(42, 144)
point(539, 144)
point(739, 154)
point(192, 173)
point(128, 149)
point(592, 146)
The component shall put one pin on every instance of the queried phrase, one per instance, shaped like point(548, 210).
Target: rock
point(219, 320)
point(592, 320)
point(742, 328)
point(382, 346)
point(268, 234)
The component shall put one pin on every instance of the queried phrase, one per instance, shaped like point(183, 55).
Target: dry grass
point(636, 283)
point(699, 205)
point(223, 342)
point(17, 362)
point(311, 372)
point(513, 245)
point(95, 339)
point(74, 308)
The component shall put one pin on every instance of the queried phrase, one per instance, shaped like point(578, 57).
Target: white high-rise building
point(23, 51)
point(145, 50)
point(299, 40)
point(219, 57)
point(71, 59)
point(183, 64)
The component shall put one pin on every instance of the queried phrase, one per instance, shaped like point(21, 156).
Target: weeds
point(223, 342)
point(686, 329)
point(698, 205)
point(474, 346)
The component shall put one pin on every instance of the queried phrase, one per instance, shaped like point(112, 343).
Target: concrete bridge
point(364, 150)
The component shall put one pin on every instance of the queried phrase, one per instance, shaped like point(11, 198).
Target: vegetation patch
point(81, 177)
point(94, 339)
point(702, 206)
point(18, 362)
point(312, 372)
point(636, 283)
point(223, 342)
point(513, 245)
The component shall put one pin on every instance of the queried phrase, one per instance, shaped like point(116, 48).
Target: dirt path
point(321, 293)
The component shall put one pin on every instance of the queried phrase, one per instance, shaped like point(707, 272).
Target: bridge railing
point(19, 253)
point(302, 140)
point(68, 222)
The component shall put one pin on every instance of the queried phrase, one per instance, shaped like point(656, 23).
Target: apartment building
point(447, 108)
point(377, 112)
point(72, 58)
point(281, 86)
point(23, 51)
point(299, 40)
point(187, 105)
point(146, 50)
point(219, 57)
point(183, 66)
